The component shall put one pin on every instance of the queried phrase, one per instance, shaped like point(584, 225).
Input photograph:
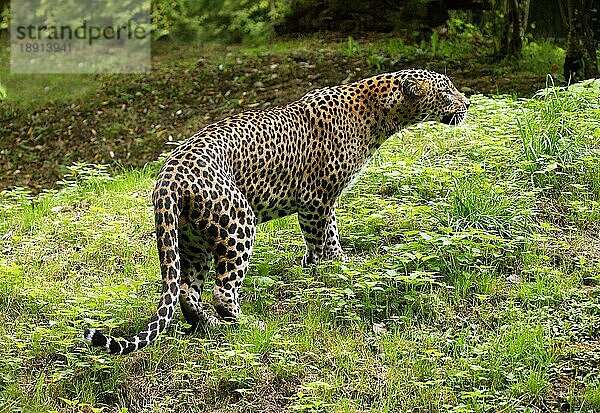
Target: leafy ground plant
point(470, 286)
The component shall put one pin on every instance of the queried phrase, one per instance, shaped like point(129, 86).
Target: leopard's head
point(434, 97)
point(418, 94)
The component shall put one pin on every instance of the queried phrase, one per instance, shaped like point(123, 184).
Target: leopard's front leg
point(320, 232)
point(333, 247)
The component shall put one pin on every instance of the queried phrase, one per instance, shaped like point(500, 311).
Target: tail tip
point(94, 337)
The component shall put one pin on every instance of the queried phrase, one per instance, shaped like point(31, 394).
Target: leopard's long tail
point(166, 219)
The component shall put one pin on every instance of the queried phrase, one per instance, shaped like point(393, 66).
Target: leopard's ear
point(412, 88)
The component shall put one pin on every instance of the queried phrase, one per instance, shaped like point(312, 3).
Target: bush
point(231, 21)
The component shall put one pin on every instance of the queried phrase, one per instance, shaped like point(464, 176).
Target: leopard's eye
point(448, 97)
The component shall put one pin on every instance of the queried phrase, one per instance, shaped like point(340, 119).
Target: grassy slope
point(472, 285)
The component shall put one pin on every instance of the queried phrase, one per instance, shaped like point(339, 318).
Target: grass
point(471, 286)
point(29, 91)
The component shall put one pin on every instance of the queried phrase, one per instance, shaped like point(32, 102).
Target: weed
point(542, 57)
point(377, 61)
point(351, 48)
point(475, 203)
point(591, 398)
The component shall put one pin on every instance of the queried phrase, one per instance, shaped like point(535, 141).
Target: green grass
point(29, 91)
point(471, 286)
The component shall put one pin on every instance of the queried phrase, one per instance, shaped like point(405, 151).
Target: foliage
point(74, 13)
point(4, 14)
point(542, 57)
point(229, 21)
point(455, 41)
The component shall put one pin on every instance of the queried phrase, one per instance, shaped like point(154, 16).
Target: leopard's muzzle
point(455, 118)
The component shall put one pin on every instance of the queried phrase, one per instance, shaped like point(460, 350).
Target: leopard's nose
point(467, 103)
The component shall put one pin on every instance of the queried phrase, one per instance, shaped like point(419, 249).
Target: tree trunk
point(4, 5)
point(580, 58)
point(516, 16)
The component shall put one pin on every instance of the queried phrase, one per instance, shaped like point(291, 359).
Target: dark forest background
point(574, 23)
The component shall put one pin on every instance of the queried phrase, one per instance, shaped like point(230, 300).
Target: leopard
point(218, 185)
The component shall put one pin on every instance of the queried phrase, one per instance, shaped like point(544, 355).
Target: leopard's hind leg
point(194, 269)
point(232, 234)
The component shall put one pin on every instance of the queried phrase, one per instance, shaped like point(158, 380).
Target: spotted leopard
point(249, 168)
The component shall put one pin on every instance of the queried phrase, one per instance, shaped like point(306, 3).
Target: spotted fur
point(258, 165)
